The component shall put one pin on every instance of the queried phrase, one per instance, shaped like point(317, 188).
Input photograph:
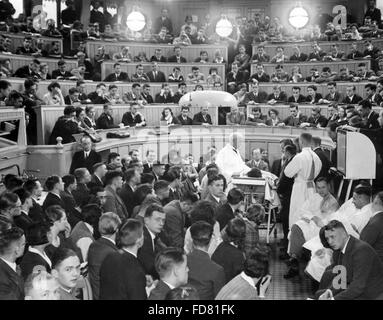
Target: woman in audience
point(213, 77)
point(256, 118)
point(342, 120)
point(241, 94)
point(54, 97)
point(167, 115)
point(273, 120)
point(296, 75)
point(176, 75)
point(6, 68)
point(141, 57)
point(44, 72)
point(218, 57)
point(243, 60)
point(189, 23)
point(90, 119)
point(183, 39)
point(198, 87)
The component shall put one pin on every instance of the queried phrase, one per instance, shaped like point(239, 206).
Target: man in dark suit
point(29, 71)
point(326, 164)
point(202, 117)
point(61, 73)
point(351, 96)
point(27, 47)
point(154, 221)
point(121, 274)
point(133, 118)
point(177, 58)
point(361, 277)
point(372, 233)
point(97, 179)
point(118, 75)
point(184, 118)
point(260, 75)
point(158, 56)
point(82, 193)
point(171, 265)
point(101, 248)
point(156, 75)
point(277, 96)
point(132, 179)
point(295, 119)
point(316, 120)
point(298, 56)
point(215, 195)
point(226, 212)
point(54, 186)
point(71, 208)
point(204, 274)
point(145, 94)
point(163, 21)
point(34, 188)
point(370, 117)
point(260, 56)
point(23, 220)
point(65, 127)
point(113, 203)
point(86, 158)
point(105, 120)
point(333, 95)
point(297, 97)
point(12, 247)
point(165, 95)
point(255, 96)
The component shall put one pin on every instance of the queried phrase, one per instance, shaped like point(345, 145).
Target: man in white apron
point(304, 167)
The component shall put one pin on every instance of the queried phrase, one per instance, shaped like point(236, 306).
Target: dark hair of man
point(116, 64)
point(4, 84)
point(91, 214)
point(332, 225)
point(73, 91)
point(291, 149)
point(129, 174)
point(371, 86)
point(51, 182)
point(366, 104)
point(113, 86)
point(235, 230)
point(170, 176)
point(53, 85)
point(101, 84)
point(60, 255)
point(14, 95)
point(111, 175)
point(97, 165)
point(79, 83)
point(255, 213)
point(128, 233)
point(78, 111)
point(36, 61)
point(160, 184)
point(176, 47)
point(136, 85)
point(30, 185)
point(321, 179)
point(54, 213)
point(12, 181)
point(331, 83)
point(203, 211)
point(8, 236)
point(201, 233)
point(297, 88)
point(108, 223)
point(313, 87)
point(167, 259)
point(317, 141)
point(294, 105)
point(8, 200)
point(189, 196)
point(152, 208)
point(28, 83)
point(68, 180)
point(214, 178)
point(68, 110)
point(142, 191)
point(363, 190)
point(112, 156)
point(22, 194)
point(235, 196)
point(194, 68)
point(307, 137)
point(256, 264)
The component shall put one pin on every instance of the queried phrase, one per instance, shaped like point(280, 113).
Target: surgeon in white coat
point(304, 167)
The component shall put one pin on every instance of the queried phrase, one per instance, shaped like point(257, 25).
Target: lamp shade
point(224, 28)
point(136, 21)
point(298, 17)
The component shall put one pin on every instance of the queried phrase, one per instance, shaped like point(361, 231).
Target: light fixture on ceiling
point(299, 17)
point(224, 27)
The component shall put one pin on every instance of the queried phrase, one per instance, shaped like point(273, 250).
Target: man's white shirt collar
point(111, 240)
point(345, 246)
point(248, 279)
point(42, 255)
point(12, 265)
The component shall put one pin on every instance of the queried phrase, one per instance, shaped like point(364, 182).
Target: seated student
point(184, 118)
point(35, 256)
point(113, 96)
point(213, 78)
point(41, 285)
point(99, 96)
point(256, 161)
point(354, 53)
point(274, 119)
point(202, 117)
point(73, 97)
point(140, 57)
point(66, 269)
point(145, 94)
point(171, 265)
point(334, 55)
point(167, 115)
point(200, 38)
point(123, 56)
point(22, 220)
point(325, 76)
point(180, 92)
point(333, 95)
point(113, 164)
point(140, 76)
point(351, 97)
point(177, 57)
point(183, 39)
point(227, 253)
point(204, 274)
point(255, 96)
point(370, 117)
point(298, 55)
point(313, 97)
point(12, 245)
point(314, 74)
point(316, 119)
point(295, 119)
point(277, 96)
point(156, 75)
point(54, 96)
point(317, 54)
point(27, 47)
point(255, 117)
point(235, 116)
point(218, 57)
point(203, 57)
point(196, 76)
point(244, 285)
point(133, 96)
point(280, 56)
point(260, 56)
point(363, 74)
point(158, 57)
point(235, 77)
point(344, 75)
point(118, 75)
point(133, 118)
point(240, 94)
point(61, 73)
point(260, 75)
point(65, 127)
point(105, 120)
point(166, 94)
point(176, 75)
point(296, 75)
point(280, 75)
point(297, 97)
point(371, 51)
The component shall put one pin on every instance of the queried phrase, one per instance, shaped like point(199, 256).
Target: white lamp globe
point(224, 27)
point(298, 17)
point(136, 21)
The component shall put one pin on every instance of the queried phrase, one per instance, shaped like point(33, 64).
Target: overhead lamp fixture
point(298, 17)
point(224, 27)
point(136, 20)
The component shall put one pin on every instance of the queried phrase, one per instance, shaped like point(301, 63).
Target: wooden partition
point(18, 61)
point(305, 67)
point(306, 47)
point(18, 39)
point(155, 87)
point(189, 52)
point(166, 68)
